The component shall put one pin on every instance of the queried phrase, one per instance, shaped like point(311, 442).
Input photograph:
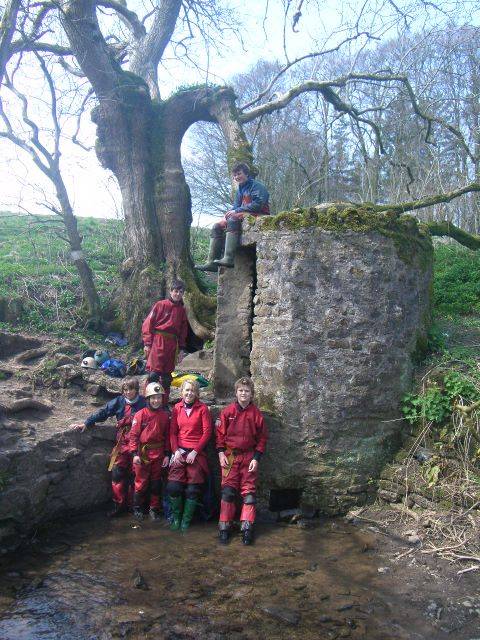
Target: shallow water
point(77, 583)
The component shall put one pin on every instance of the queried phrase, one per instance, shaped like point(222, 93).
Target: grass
point(39, 286)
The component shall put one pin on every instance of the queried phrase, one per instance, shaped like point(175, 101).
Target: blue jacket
point(115, 407)
point(252, 197)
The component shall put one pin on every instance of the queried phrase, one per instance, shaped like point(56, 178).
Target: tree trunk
point(77, 255)
point(140, 141)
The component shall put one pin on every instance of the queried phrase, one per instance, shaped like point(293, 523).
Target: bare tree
point(140, 134)
point(48, 161)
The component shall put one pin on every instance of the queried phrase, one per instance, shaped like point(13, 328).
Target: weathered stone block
point(326, 322)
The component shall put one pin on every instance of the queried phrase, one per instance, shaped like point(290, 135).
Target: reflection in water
point(98, 579)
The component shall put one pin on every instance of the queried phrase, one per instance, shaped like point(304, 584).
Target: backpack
point(114, 368)
point(101, 356)
point(136, 367)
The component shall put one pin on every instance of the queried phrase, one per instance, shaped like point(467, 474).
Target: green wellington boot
point(231, 243)
point(176, 502)
point(188, 511)
point(214, 251)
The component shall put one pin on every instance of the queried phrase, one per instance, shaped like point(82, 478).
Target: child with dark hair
point(164, 333)
point(250, 199)
point(124, 408)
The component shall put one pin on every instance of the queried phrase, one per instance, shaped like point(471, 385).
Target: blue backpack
point(114, 368)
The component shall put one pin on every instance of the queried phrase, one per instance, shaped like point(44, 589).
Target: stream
point(92, 578)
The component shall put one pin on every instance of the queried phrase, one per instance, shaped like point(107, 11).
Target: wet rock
point(139, 580)
point(16, 406)
point(21, 393)
point(30, 354)
point(200, 361)
point(62, 359)
point(289, 616)
point(422, 502)
point(54, 549)
point(93, 389)
point(68, 373)
point(289, 515)
point(388, 496)
point(434, 610)
point(294, 574)
point(302, 523)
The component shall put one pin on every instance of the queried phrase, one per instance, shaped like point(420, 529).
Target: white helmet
point(153, 389)
point(89, 363)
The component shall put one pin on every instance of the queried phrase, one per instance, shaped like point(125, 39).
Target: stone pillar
point(234, 323)
point(337, 319)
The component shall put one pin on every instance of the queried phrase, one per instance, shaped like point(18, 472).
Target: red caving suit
point(190, 429)
point(149, 439)
point(165, 331)
point(242, 435)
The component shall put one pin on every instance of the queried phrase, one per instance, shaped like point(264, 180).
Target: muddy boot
point(214, 252)
point(155, 514)
point(188, 511)
point(138, 513)
point(247, 532)
point(224, 532)
point(176, 503)
point(231, 243)
point(118, 509)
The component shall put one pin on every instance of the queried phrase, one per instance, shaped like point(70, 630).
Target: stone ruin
point(327, 310)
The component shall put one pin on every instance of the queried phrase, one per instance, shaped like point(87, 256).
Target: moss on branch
point(445, 228)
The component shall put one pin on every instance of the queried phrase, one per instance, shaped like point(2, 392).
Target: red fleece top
point(242, 428)
point(149, 427)
point(166, 316)
point(193, 431)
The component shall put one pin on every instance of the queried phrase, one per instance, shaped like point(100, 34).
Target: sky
point(93, 191)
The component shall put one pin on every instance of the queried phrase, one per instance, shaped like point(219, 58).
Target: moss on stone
point(241, 152)
point(409, 238)
point(203, 305)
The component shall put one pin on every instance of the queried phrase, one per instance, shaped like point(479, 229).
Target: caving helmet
point(88, 363)
point(153, 389)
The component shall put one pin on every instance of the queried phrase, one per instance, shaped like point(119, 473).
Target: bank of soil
point(91, 578)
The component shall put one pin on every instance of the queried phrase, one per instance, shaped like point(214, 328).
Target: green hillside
point(40, 288)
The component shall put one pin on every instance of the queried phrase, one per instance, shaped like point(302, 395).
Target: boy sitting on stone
point(250, 199)
point(241, 438)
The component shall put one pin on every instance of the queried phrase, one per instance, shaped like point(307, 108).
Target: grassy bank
point(39, 286)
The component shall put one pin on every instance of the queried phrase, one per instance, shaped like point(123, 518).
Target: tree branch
point(88, 45)
point(314, 54)
point(130, 17)
point(7, 28)
point(445, 228)
point(428, 201)
point(26, 44)
point(149, 51)
point(326, 89)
